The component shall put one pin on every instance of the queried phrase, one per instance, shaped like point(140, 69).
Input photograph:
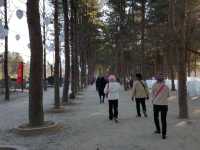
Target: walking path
point(86, 126)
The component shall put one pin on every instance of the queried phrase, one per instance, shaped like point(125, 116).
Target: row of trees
point(151, 37)
point(138, 35)
point(80, 20)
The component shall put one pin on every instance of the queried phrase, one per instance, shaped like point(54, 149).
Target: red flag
point(20, 74)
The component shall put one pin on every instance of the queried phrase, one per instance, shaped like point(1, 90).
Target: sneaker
point(116, 120)
point(157, 132)
point(145, 115)
point(138, 116)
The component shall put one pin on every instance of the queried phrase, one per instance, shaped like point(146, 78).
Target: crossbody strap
point(160, 90)
point(144, 87)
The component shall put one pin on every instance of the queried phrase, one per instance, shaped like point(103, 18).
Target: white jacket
point(112, 89)
point(162, 97)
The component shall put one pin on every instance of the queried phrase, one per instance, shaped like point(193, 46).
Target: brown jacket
point(140, 91)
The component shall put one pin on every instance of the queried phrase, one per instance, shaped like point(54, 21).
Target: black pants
point(101, 96)
point(140, 101)
point(113, 109)
point(163, 110)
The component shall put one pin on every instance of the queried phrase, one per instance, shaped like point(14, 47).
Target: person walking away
point(160, 94)
point(140, 92)
point(112, 89)
point(99, 88)
point(104, 81)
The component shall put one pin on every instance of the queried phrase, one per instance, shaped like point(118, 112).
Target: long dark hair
point(139, 76)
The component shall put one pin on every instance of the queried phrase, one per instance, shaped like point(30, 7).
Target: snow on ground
point(86, 126)
point(193, 85)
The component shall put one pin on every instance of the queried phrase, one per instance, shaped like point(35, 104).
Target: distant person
point(100, 85)
point(140, 92)
point(131, 83)
point(160, 94)
point(112, 91)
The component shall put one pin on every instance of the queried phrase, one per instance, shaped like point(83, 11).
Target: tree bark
point(73, 54)
point(195, 66)
point(7, 93)
point(57, 56)
point(76, 46)
point(67, 52)
point(36, 114)
point(60, 72)
point(182, 92)
point(142, 36)
point(172, 76)
point(44, 47)
point(171, 32)
point(83, 69)
point(83, 40)
point(188, 63)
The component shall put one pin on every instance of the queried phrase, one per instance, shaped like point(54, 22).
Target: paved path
point(86, 126)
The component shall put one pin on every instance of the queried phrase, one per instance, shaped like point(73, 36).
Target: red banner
point(20, 74)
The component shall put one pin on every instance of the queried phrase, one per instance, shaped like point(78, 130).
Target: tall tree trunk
point(171, 25)
point(76, 44)
point(73, 54)
point(83, 69)
point(36, 114)
point(83, 47)
point(195, 66)
point(142, 37)
point(172, 76)
point(189, 63)
point(7, 93)
point(67, 52)
point(60, 72)
point(57, 56)
point(182, 92)
point(44, 46)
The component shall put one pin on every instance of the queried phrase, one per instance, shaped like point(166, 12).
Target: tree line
point(152, 36)
point(80, 21)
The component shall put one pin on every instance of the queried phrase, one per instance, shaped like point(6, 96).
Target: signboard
point(20, 73)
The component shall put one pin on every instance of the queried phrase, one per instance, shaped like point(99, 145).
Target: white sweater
point(112, 88)
point(162, 97)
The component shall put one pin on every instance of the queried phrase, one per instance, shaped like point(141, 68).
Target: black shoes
point(115, 119)
point(163, 137)
point(145, 115)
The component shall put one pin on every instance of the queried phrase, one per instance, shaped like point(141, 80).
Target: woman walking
point(160, 94)
point(112, 93)
point(140, 93)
